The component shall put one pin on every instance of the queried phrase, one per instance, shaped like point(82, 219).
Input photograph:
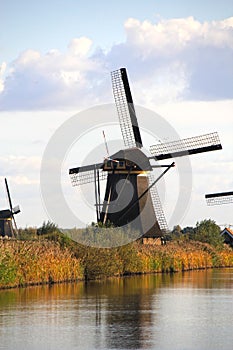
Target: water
point(188, 311)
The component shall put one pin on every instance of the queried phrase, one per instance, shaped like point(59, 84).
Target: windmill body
point(126, 182)
point(131, 197)
point(7, 221)
point(6, 228)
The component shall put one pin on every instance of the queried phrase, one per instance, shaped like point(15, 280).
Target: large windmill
point(7, 217)
point(131, 195)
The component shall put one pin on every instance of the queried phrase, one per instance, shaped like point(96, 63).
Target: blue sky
point(55, 60)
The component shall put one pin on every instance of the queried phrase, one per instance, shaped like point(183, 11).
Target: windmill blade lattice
point(158, 209)
point(125, 109)
point(219, 198)
point(85, 174)
point(192, 145)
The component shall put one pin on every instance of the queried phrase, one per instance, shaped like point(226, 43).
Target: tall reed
point(31, 262)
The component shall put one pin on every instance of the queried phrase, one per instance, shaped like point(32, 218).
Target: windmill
point(130, 194)
point(219, 198)
point(7, 216)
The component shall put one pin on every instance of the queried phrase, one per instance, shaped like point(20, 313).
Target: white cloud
point(11, 165)
point(54, 80)
point(3, 68)
point(20, 180)
point(163, 85)
point(175, 59)
point(2, 72)
point(169, 37)
point(80, 46)
point(28, 58)
point(166, 37)
point(203, 53)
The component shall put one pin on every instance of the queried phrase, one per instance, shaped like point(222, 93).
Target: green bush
point(8, 269)
point(207, 231)
point(47, 228)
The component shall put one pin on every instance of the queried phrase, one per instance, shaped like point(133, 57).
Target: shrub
point(47, 228)
point(207, 231)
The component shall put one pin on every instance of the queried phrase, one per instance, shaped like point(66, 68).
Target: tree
point(177, 233)
point(189, 230)
point(177, 230)
point(47, 228)
point(208, 231)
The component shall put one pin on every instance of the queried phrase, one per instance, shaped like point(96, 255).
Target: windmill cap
point(134, 155)
point(5, 214)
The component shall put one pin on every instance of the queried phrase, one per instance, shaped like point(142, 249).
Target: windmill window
point(108, 164)
point(121, 164)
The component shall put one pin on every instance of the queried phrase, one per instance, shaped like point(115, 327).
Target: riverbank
point(41, 261)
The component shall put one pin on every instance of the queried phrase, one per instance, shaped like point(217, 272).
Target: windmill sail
point(219, 198)
point(8, 195)
point(125, 109)
point(192, 145)
point(86, 174)
point(158, 209)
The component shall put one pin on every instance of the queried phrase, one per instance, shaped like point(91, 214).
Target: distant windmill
point(128, 168)
point(7, 216)
point(219, 198)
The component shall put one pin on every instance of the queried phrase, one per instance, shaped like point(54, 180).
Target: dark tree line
point(206, 231)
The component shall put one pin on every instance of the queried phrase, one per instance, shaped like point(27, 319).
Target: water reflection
point(192, 310)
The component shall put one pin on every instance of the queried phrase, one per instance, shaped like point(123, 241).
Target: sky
point(55, 62)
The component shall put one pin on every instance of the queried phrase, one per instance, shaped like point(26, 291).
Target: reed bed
point(35, 262)
point(177, 257)
point(42, 261)
point(136, 258)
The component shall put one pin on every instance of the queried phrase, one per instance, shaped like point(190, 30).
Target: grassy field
point(55, 258)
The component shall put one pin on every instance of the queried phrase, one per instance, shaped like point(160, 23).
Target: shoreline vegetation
point(52, 257)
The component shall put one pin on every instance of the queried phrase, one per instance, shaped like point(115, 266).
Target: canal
point(181, 311)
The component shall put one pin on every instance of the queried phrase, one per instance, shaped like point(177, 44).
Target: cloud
point(22, 174)
point(21, 180)
point(170, 37)
point(80, 46)
point(2, 72)
point(19, 165)
point(198, 55)
point(170, 60)
point(51, 81)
